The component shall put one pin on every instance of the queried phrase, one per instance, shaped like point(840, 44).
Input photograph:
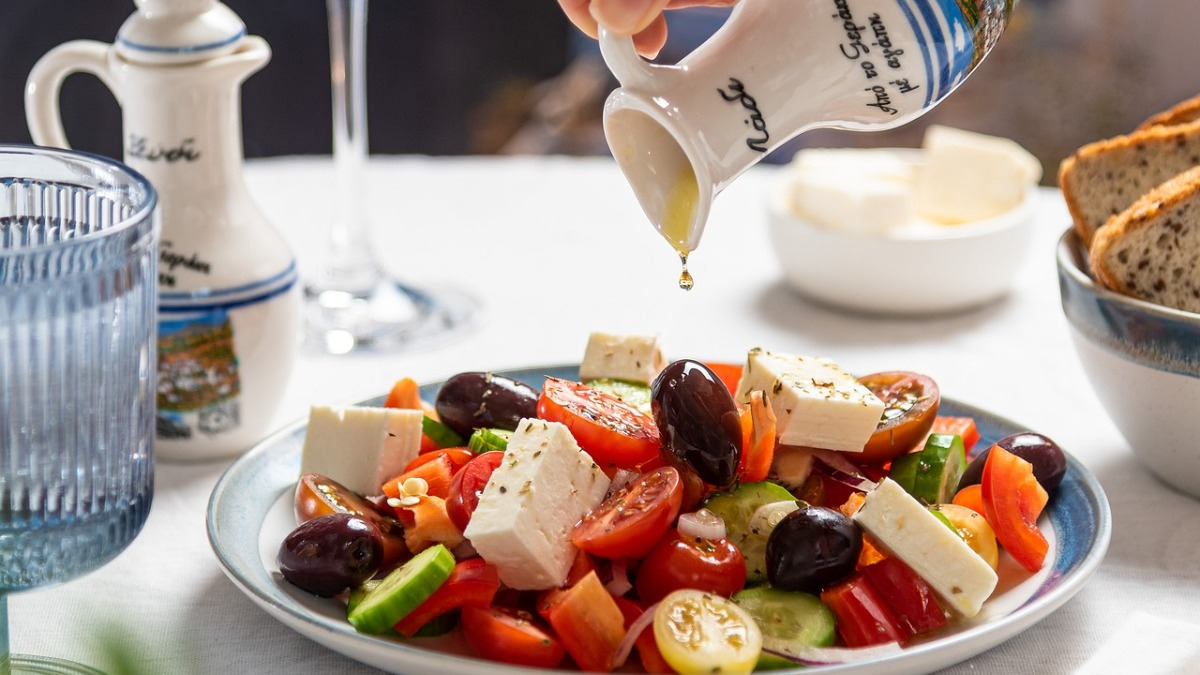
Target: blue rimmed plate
point(250, 512)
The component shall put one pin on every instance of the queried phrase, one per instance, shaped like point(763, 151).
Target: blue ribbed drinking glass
point(78, 284)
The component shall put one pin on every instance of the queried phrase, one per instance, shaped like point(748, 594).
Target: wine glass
point(78, 253)
point(351, 304)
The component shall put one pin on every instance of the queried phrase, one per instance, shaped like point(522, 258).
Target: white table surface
point(555, 248)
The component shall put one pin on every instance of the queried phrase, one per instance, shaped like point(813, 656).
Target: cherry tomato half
point(511, 636)
point(910, 405)
point(318, 495)
point(467, 485)
point(632, 519)
point(675, 562)
point(613, 432)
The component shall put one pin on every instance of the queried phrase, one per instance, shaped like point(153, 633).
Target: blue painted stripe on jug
point(182, 49)
point(229, 298)
point(937, 40)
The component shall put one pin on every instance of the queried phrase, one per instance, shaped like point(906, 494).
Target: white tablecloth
point(555, 248)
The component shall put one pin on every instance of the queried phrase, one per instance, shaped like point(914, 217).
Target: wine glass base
point(22, 664)
point(390, 317)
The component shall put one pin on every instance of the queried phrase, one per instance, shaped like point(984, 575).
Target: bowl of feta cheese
point(901, 231)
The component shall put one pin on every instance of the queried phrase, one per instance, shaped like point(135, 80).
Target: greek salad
point(687, 516)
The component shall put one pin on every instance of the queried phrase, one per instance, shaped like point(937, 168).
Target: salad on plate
point(686, 516)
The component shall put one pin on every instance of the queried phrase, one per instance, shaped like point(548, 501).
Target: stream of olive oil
point(677, 218)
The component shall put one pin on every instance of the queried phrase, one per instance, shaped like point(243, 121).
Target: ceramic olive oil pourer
point(681, 133)
point(229, 304)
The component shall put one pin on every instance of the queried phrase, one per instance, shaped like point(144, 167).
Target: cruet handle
point(42, 112)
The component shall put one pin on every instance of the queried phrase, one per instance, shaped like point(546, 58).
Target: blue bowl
point(1143, 362)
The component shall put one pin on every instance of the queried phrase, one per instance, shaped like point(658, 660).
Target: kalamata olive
point(811, 548)
point(470, 401)
point(318, 495)
point(328, 554)
point(1048, 460)
point(697, 419)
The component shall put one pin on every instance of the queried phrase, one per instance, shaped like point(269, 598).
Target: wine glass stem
point(350, 266)
point(5, 654)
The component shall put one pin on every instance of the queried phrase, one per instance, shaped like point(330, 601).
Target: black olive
point(470, 401)
point(811, 548)
point(698, 421)
point(1048, 460)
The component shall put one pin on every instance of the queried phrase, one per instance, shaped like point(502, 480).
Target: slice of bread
point(1184, 112)
point(1103, 178)
point(1152, 249)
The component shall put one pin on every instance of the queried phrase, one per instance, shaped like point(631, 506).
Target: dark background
point(434, 68)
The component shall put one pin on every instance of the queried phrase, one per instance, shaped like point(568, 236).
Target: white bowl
point(915, 271)
point(1143, 362)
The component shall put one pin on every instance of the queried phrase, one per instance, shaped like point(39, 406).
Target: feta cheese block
point(633, 358)
point(969, 176)
point(542, 488)
point(904, 528)
point(816, 403)
point(854, 190)
point(359, 446)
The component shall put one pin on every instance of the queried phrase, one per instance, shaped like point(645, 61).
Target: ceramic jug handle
point(625, 63)
point(42, 87)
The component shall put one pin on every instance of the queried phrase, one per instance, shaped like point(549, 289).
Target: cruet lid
point(179, 31)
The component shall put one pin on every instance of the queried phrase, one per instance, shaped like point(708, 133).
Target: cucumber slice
point(401, 591)
point(487, 440)
point(939, 467)
point(794, 617)
point(632, 393)
point(442, 435)
point(904, 470)
point(737, 508)
point(438, 625)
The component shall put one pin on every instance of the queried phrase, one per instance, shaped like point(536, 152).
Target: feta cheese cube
point(816, 403)
point(633, 358)
point(969, 176)
point(542, 488)
point(903, 527)
point(358, 446)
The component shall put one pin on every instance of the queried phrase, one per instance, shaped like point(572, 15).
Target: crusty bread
point(1152, 249)
point(1184, 112)
point(1103, 178)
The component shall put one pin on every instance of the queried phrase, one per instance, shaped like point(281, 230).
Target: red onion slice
point(824, 656)
point(619, 584)
point(842, 470)
point(625, 646)
point(702, 524)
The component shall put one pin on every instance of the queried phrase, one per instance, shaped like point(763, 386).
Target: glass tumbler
point(78, 286)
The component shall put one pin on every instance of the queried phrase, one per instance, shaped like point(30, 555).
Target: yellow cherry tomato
point(974, 529)
point(699, 632)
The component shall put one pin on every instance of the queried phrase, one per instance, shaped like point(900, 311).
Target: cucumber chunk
point(737, 508)
point(941, 464)
point(793, 617)
point(442, 435)
point(488, 440)
point(632, 393)
point(402, 591)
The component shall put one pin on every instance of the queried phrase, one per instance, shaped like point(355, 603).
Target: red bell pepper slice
point(472, 583)
point(1012, 501)
point(963, 427)
point(758, 439)
point(911, 599)
point(863, 618)
point(587, 620)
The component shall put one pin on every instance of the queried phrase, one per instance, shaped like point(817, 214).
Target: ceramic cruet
point(229, 304)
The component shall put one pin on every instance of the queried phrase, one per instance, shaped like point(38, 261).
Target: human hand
point(643, 19)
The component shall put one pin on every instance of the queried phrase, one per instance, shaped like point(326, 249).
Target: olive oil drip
point(685, 277)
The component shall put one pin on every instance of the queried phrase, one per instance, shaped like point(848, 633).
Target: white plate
point(249, 514)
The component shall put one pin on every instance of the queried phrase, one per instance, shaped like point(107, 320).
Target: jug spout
point(250, 56)
point(673, 183)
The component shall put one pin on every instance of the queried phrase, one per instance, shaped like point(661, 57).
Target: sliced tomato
point(910, 598)
point(468, 484)
point(646, 645)
point(587, 620)
point(758, 439)
point(963, 427)
point(472, 583)
point(862, 617)
point(631, 520)
point(511, 636)
point(712, 565)
point(730, 374)
point(458, 458)
point(1012, 500)
point(614, 433)
point(910, 405)
point(318, 495)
